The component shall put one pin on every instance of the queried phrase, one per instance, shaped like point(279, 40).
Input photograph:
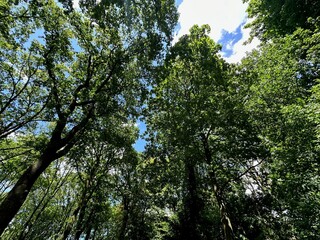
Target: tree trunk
point(218, 192)
point(87, 193)
point(56, 148)
point(225, 219)
point(89, 224)
point(192, 206)
point(88, 233)
point(18, 194)
point(125, 218)
point(79, 226)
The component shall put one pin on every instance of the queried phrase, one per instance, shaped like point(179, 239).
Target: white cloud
point(226, 14)
point(75, 4)
point(229, 45)
point(239, 49)
point(220, 15)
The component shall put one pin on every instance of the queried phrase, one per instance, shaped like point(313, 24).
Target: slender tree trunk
point(28, 224)
point(46, 196)
point(68, 228)
point(68, 210)
point(89, 224)
point(18, 194)
point(125, 218)
point(192, 205)
point(79, 226)
point(88, 191)
point(218, 192)
point(88, 233)
point(225, 219)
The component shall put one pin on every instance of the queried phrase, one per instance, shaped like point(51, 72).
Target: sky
point(226, 19)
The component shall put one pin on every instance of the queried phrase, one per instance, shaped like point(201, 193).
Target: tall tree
point(86, 63)
point(283, 89)
point(193, 116)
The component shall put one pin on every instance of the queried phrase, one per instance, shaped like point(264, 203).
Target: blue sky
point(139, 145)
point(229, 39)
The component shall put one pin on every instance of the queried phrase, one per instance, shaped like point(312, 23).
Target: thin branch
point(49, 66)
point(245, 172)
point(11, 128)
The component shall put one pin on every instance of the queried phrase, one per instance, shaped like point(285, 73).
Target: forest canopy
point(233, 150)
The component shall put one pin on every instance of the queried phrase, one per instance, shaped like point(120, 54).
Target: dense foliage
point(232, 149)
point(276, 18)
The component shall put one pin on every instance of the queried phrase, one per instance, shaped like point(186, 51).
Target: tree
point(272, 19)
point(233, 149)
point(282, 80)
point(97, 191)
point(194, 119)
point(86, 65)
point(43, 212)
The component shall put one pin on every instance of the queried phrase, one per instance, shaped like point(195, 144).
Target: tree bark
point(18, 194)
point(68, 228)
point(125, 218)
point(218, 192)
point(192, 206)
point(89, 225)
point(79, 225)
point(56, 148)
point(225, 219)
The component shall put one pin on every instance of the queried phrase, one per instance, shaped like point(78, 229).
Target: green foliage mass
point(276, 18)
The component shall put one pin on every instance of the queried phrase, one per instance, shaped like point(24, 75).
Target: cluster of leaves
point(276, 18)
